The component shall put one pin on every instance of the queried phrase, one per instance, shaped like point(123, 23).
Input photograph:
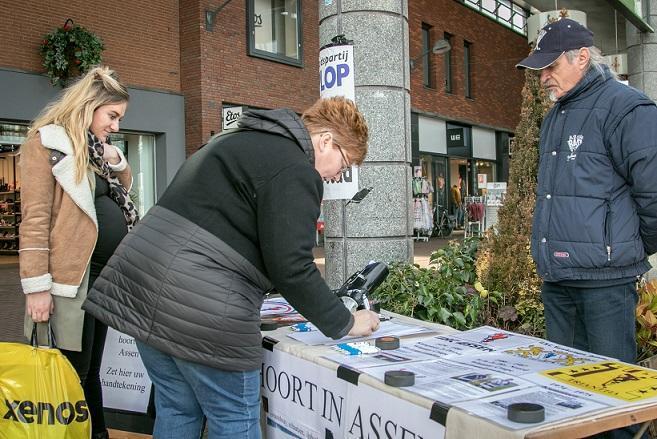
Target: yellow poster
point(618, 380)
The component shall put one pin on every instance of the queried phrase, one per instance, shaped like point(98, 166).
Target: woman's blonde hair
point(74, 110)
point(340, 116)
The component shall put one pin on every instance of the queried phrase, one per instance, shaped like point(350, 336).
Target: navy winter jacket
point(596, 202)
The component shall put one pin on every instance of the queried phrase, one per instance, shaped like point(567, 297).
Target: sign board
point(336, 78)
point(482, 181)
point(230, 117)
point(495, 192)
point(455, 137)
point(123, 376)
point(336, 72)
point(343, 189)
point(305, 399)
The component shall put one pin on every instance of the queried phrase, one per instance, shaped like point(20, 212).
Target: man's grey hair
point(596, 60)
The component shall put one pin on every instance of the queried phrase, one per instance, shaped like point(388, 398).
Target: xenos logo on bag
point(28, 412)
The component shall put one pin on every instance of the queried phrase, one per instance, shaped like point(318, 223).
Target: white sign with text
point(336, 78)
point(230, 117)
point(123, 376)
point(304, 399)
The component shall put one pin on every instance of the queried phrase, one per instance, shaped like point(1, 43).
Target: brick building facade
point(496, 83)
point(181, 73)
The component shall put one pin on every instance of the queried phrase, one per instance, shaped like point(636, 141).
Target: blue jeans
point(186, 391)
point(599, 320)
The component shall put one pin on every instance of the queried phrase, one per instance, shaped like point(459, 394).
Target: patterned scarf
point(117, 191)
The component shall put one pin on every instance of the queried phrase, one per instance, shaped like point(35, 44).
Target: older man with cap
point(595, 221)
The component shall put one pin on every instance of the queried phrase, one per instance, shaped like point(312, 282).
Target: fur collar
point(55, 137)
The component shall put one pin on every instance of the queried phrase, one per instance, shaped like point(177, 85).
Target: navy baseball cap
point(554, 40)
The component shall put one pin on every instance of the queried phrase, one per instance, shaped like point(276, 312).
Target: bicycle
point(443, 223)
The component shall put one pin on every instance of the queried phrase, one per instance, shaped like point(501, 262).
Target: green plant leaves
point(68, 51)
point(441, 292)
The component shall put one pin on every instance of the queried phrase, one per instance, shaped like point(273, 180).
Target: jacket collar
point(283, 122)
point(54, 137)
point(592, 78)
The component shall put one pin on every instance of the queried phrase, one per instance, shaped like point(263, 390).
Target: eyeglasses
point(345, 162)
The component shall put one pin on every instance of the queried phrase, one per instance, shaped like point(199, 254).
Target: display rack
point(10, 201)
point(474, 216)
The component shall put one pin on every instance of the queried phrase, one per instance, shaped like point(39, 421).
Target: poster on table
point(123, 377)
point(306, 400)
point(336, 78)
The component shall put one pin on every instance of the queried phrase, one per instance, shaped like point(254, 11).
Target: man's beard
point(552, 95)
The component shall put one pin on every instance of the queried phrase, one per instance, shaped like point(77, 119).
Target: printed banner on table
point(619, 380)
point(306, 400)
point(336, 78)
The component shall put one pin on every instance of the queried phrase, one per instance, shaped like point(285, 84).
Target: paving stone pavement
point(12, 304)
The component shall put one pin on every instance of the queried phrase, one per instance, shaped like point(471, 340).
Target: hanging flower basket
point(69, 51)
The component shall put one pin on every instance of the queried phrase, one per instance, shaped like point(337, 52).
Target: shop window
point(11, 137)
point(427, 67)
point(448, 64)
point(506, 12)
point(467, 68)
point(139, 149)
point(275, 30)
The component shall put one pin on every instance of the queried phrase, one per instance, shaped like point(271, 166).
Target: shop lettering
point(303, 393)
point(333, 76)
point(231, 117)
point(346, 177)
point(455, 137)
point(376, 428)
point(28, 412)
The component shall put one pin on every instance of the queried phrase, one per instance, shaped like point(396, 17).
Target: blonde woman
point(76, 209)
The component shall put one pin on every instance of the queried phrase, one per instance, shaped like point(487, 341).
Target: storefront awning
point(626, 7)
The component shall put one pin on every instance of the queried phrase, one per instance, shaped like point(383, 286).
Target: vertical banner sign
point(336, 78)
point(123, 376)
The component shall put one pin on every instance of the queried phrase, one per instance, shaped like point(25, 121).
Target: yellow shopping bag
point(41, 394)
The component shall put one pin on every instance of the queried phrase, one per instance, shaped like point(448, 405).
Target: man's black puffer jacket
point(238, 219)
point(596, 207)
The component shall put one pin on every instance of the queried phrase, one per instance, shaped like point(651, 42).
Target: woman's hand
point(365, 323)
point(110, 154)
point(39, 306)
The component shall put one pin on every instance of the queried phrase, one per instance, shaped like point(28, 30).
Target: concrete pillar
point(642, 53)
point(642, 69)
point(380, 227)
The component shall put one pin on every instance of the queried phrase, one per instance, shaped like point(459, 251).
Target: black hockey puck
point(399, 378)
point(387, 343)
point(526, 413)
point(268, 326)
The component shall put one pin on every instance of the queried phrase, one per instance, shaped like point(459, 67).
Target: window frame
point(427, 60)
point(258, 53)
point(448, 70)
point(467, 69)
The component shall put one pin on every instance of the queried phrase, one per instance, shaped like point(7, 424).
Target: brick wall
point(229, 75)
point(141, 38)
point(163, 45)
point(496, 83)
